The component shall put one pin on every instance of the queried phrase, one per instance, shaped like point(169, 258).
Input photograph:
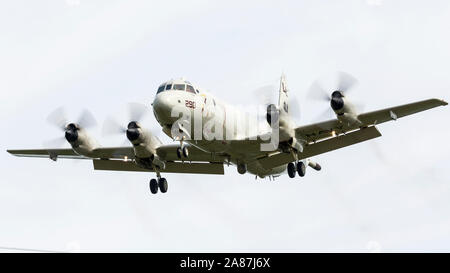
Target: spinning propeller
point(136, 113)
point(268, 94)
point(345, 83)
point(58, 118)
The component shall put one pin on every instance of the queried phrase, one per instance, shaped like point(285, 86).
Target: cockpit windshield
point(160, 89)
point(177, 86)
point(181, 87)
point(190, 89)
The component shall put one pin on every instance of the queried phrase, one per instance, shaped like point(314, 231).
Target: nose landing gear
point(182, 152)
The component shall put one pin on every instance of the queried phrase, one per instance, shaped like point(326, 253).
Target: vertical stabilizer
point(283, 99)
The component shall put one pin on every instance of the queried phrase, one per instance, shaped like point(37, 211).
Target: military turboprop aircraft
point(208, 137)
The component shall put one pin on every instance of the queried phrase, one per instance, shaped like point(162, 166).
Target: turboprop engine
point(282, 123)
point(144, 142)
point(343, 109)
point(74, 132)
point(272, 114)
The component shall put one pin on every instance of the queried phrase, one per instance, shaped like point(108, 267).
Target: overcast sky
point(389, 194)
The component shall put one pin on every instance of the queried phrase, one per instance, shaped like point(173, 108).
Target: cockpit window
point(179, 87)
point(190, 89)
point(160, 89)
point(168, 87)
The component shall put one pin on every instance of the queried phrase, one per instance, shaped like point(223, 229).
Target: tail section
point(283, 98)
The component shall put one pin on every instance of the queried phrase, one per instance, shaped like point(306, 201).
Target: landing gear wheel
point(301, 168)
point(291, 170)
point(185, 152)
point(179, 152)
point(153, 186)
point(163, 186)
point(241, 168)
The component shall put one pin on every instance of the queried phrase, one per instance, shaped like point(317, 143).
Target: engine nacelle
point(80, 141)
point(272, 114)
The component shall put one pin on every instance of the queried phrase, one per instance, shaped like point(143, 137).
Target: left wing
point(330, 135)
point(321, 130)
point(313, 149)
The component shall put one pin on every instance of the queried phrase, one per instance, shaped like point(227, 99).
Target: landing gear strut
point(182, 151)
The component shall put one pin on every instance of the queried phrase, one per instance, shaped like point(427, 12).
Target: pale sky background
point(389, 194)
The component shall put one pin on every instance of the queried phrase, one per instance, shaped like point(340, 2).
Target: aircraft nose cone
point(162, 108)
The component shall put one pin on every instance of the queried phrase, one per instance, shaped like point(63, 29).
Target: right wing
point(169, 153)
point(120, 159)
point(171, 167)
point(166, 152)
point(105, 153)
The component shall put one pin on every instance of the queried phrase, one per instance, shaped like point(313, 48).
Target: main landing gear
point(298, 167)
point(160, 184)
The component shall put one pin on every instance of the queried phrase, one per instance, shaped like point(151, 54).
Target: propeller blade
point(318, 93)
point(113, 127)
point(55, 143)
point(345, 82)
point(86, 119)
point(326, 115)
point(265, 94)
point(58, 118)
point(294, 108)
point(136, 111)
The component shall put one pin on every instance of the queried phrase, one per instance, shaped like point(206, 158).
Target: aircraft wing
point(166, 152)
point(169, 153)
point(380, 116)
point(321, 139)
point(321, 147)
point(103, 152)
point(120, 159)
point(171, 167)
point(321, 130)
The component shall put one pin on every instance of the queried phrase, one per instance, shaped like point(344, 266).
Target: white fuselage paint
point(212, 110)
